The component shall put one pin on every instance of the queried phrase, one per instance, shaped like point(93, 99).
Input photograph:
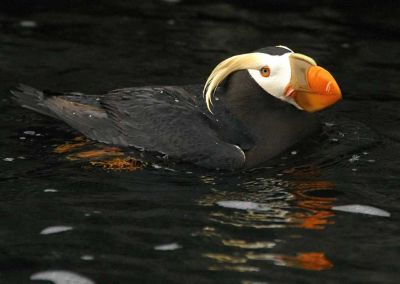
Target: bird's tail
point(31, 98)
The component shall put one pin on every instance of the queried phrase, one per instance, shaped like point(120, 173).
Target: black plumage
point(247, 126)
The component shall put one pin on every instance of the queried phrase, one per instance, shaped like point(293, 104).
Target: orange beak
point(312, 87)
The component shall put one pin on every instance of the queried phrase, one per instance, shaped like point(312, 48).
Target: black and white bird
point(265, 107)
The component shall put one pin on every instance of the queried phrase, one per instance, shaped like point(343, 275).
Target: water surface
point(163, 224)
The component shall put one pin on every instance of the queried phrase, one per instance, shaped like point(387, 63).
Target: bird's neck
point(274, 125)
point(254, 107)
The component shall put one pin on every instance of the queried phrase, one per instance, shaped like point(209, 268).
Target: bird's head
point(291, 77)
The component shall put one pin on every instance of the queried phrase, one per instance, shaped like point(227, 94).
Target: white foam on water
point(171, 1)
point(28, 24)
point(362, 209)
point(243, 205)
point(172, 246)
point(50, 190)
point(55, 230)
point(61, 277)
point(87, 257)
point(29, 132)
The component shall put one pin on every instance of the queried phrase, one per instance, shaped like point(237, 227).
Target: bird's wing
point(169, 121)
point(85, 114)
point(166, 120)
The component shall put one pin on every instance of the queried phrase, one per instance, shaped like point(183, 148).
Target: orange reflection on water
point(97, 153)
point(68, 146)
point(109, 158)
point(317, 208)
point(119, 164)
point(304, 260)
point(316, 261)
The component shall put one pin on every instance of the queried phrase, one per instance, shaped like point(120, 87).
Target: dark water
point(115, 222)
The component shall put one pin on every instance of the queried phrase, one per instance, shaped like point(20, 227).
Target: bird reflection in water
point(98, 155)
point(270, 204)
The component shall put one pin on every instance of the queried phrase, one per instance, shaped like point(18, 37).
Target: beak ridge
point(312, 87)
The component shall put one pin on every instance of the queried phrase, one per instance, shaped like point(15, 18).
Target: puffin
point(252, 108)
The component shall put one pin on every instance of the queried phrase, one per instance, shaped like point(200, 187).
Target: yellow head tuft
point(227, 67)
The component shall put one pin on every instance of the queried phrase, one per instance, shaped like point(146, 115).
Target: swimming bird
point(265, 106)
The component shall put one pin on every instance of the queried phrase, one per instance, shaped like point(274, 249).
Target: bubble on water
point(362, 209)
point(50, 190)
point(22, 138)
point(293, 153)
point(61, 277)
point(55, 230)
point(8, 159)
point(171, 246)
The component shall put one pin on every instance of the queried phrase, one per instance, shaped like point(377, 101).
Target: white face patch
point(279, 78)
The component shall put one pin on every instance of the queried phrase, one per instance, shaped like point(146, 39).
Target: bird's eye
point(265, 71)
